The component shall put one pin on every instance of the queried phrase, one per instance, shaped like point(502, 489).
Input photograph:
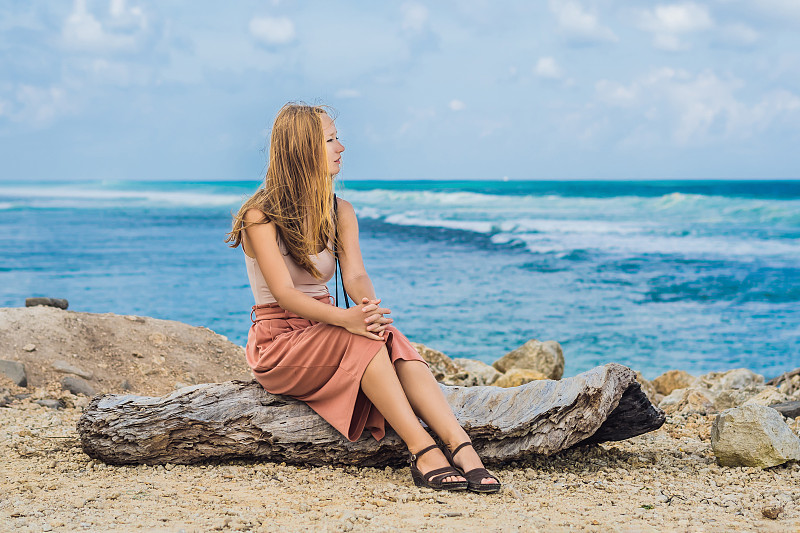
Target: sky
point(453, 89)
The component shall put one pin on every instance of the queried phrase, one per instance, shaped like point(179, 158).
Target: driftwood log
point(238, 419)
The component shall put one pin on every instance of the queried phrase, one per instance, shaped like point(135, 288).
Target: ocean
point(696, 275)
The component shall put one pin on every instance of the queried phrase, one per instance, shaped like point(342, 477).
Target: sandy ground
point(667, 480)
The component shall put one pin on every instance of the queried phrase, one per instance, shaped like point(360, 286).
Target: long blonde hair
point(297, 195)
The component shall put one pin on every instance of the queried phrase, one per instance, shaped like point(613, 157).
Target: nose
point(340, 147)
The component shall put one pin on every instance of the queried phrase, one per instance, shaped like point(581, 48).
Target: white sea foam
point(465, 225)
point(83, 196)
point(613, 237)
point(648, 243)
point(679, 207)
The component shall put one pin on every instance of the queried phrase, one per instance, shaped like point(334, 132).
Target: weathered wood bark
point(239, 419)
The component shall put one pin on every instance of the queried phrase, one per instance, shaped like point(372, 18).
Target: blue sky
point(571, 89)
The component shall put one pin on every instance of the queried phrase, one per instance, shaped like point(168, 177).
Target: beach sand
point(666, 480)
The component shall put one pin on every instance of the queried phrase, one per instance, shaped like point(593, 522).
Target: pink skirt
point(320, 364)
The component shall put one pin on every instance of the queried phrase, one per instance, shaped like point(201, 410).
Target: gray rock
point(753, 435)
point(545, 357)
point(15, 371)
point(29, 348)
point(484, 374)
point(66, 368)
point(77, 385)
point(60, 303)
point(52, 404)
point(787, 409)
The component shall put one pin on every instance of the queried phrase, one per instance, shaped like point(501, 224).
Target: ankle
point(418, 445)
point(456, 439)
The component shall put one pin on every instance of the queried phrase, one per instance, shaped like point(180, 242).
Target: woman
point(349, 365)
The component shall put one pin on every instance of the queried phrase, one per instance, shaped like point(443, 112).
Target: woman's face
point(333, 148)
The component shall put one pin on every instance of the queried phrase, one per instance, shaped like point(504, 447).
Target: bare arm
point(260, 241)
point(354, 275)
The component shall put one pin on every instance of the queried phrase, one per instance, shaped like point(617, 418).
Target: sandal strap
point(458, 448)
point(476, 475)
point(438, 474)
point(415, 456)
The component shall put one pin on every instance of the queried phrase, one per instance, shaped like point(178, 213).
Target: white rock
point(485, 374)
point(770, 395)
point(753, 435)
point(738, 378)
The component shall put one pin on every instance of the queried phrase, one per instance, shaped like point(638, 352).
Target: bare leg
point(428, 402)
point(383, 388)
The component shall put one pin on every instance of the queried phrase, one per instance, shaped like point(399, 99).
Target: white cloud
point(616, 94)
point(37, 106)
point(578, 24)
point(272, 30)
point(414, 16)
point(738, 35)
point(668, 23)
point(457, 105)
point(123, 16)
point(700, 107)
point(82, 31)
point(547, 67)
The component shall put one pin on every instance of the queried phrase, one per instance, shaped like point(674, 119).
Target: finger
point(373, 318)
point(379, 325)
point(368, 308)
point(372, 336)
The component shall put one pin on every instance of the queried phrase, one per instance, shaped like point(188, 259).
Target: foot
point(467, 459)
point(433, 460)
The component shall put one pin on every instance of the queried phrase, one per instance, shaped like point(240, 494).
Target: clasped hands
point(367, 319)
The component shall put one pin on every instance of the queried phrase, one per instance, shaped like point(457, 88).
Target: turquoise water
point(700, 275)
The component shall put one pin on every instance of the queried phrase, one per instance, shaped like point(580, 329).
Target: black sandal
point(474, 476)
point(434, 478)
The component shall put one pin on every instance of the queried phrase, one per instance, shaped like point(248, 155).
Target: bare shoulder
point(345, 210)
point(256, 216)
point(257, 228)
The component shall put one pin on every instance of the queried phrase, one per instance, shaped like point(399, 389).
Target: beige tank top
point(303, 281)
